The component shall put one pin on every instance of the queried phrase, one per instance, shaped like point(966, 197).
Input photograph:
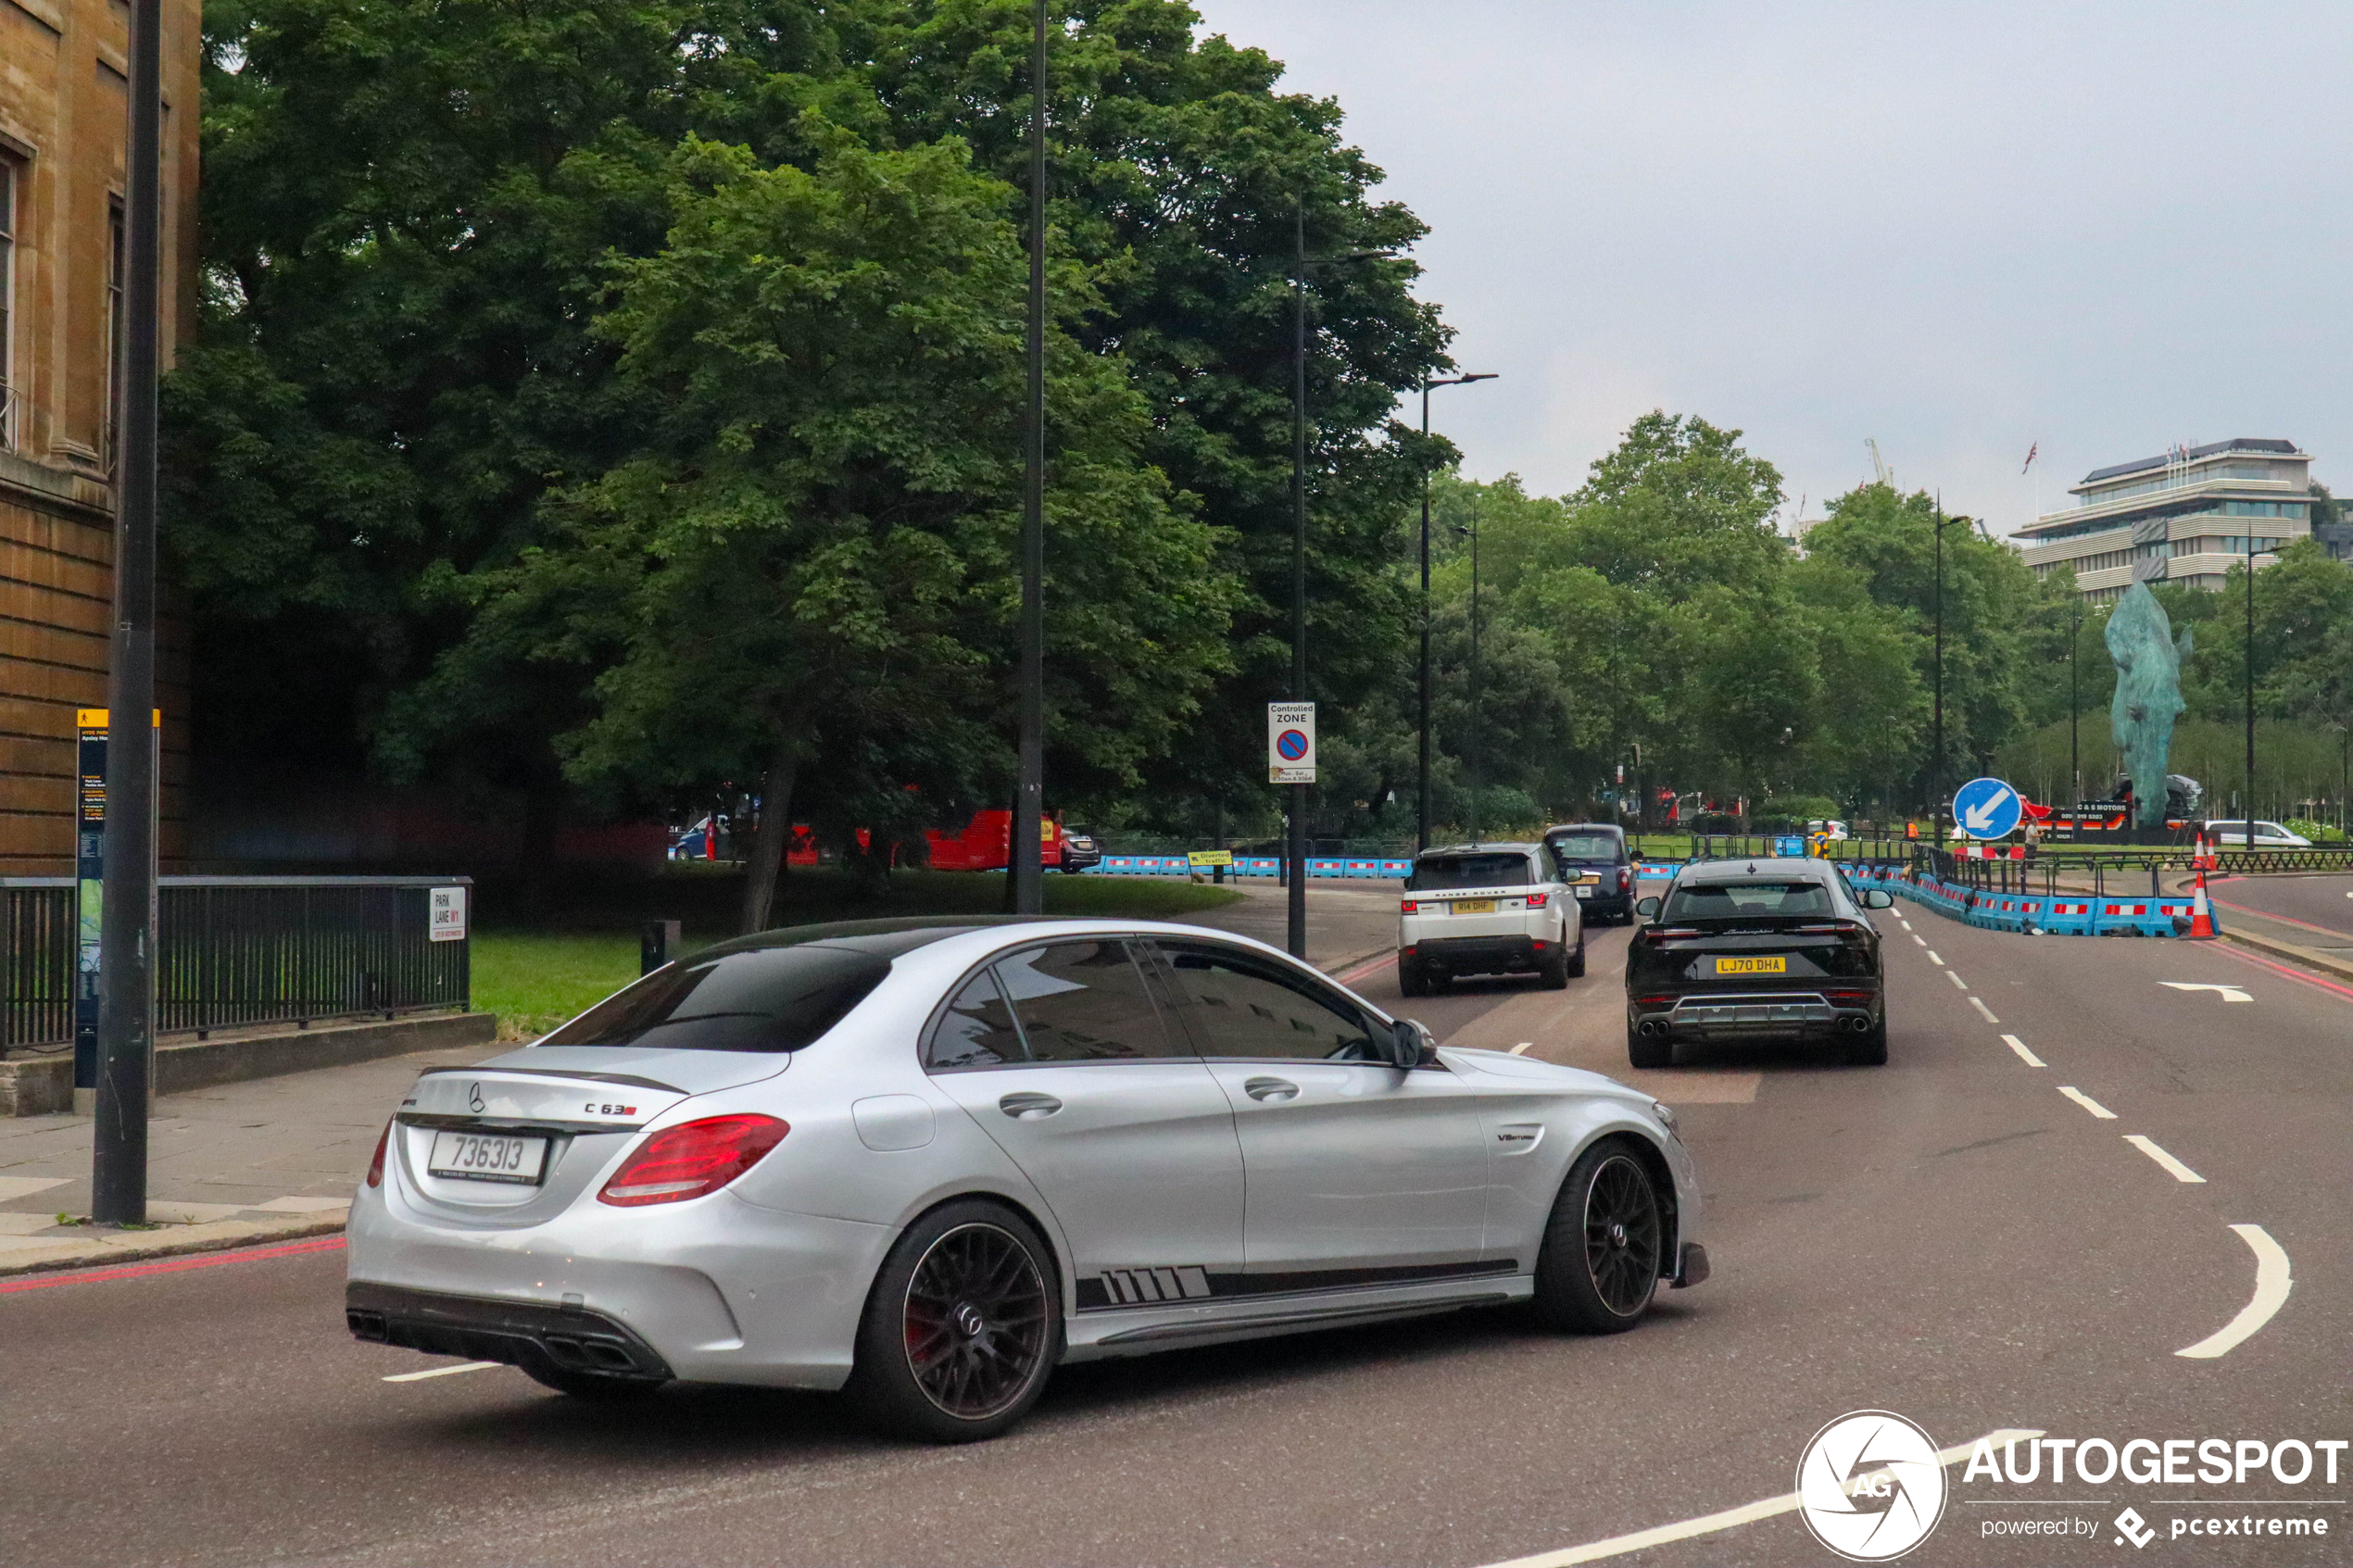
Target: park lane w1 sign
point(1291, 742)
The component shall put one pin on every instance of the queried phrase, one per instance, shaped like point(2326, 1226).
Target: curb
point(221, 1236)
point(2290, 951)
point(1341, 966)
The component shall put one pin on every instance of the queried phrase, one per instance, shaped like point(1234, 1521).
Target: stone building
point(64, 90)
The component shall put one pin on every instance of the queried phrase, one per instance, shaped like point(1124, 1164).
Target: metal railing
point(238, 951)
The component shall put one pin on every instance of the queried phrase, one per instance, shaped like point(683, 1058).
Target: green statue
point(2148, 695)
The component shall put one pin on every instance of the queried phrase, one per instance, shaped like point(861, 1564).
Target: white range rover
point(1486, 909)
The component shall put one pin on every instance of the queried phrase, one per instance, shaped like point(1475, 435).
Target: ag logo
point(1870, 1486)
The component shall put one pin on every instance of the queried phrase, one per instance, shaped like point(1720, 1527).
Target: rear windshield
point(1585, 845)
point(763, 999)
point(1439, 872)
point(1736, 900)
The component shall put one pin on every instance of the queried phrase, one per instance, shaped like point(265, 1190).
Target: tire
point(1576, 959)
point(1603, 1245)
point(973, 1288)
point(1872, 1049)
point(601, 1388)
point(1648, 1050)
point(1411, 982)
point(1555, 970)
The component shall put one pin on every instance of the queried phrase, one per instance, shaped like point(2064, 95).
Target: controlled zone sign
point(1291, 742)
point(1987, 808)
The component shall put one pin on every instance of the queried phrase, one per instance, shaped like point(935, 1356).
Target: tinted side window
point(1241, 1005)
point(1085, 1001)
point(1438, 872)
point(757, 999)
point(978, 1030)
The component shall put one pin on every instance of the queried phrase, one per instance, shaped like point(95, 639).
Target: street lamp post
point(1027, 870)
point(1936, 762)
point(2250, 694)
point(2074, 701)
point(1421, 771)
point(1478, 730)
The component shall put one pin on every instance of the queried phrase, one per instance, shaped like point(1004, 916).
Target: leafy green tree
point(812, 555)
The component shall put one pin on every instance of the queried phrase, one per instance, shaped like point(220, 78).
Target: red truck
point(985, 845)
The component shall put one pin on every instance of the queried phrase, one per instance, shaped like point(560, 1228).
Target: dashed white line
point(440, 1372)
point(2023, 1054)
point(2087, 1102)
point(1521, 1050)
point(1708, 1523)
point(1987, 1013)
point(2180, 1171)
point(2272, 1285)
point(1933, 958)
point(1958, 984)
point(1919, 939)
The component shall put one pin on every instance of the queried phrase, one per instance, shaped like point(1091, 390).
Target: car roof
point(1585, 827)
point(1478, 849)
point(1786, 867)
point(884, 938)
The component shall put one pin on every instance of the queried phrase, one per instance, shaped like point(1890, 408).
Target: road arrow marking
point(2228, 993)
point(2272, 1285)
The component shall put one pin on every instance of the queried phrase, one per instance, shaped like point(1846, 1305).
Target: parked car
point(929, 1160)
point(1080, 850)
point(1762, 949)
point(2267, 835)
point(1829, 828)
point(1592, 858)
point(1486, 909)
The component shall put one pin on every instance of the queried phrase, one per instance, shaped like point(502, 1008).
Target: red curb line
point(171, 1265)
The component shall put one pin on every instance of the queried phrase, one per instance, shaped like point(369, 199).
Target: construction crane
point(1880, 470)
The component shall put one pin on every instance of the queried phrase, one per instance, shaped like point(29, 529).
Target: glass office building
point(2185, 516)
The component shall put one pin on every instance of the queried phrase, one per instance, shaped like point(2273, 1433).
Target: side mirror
point(1410, 1046)
point(1878, 899)
point(1647, 908)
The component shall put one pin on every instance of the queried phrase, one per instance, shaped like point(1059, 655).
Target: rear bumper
point(1482, 955)
point(1690, 1266)
point(1777, 1015)
point(523, 1334)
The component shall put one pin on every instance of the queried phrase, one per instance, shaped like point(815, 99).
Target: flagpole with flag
point(2033, 447)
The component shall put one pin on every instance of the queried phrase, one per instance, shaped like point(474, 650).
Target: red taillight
point(376, 1163)
point(1662, 933)
point(1653, 1002)
point(1850, 999)
point(1536, 900)
point(692, 1159)
point(1625, 878)
point(1407, 907)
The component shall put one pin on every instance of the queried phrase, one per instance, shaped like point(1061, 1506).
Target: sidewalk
point(227, 1166)
point(269, 1159)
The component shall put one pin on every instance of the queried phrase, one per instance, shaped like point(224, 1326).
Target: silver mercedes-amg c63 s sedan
point(929, 1160)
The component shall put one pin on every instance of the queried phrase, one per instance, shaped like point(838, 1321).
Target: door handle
point(1271, 1088)
point(1029, 1107)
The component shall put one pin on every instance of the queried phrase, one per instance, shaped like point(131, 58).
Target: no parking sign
point(1291, 742)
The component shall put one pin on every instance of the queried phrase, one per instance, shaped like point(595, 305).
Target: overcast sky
point(1962, 229)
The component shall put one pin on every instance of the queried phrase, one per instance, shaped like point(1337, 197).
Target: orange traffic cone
point(2201, 914)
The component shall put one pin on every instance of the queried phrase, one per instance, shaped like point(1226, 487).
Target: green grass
point(536, 966)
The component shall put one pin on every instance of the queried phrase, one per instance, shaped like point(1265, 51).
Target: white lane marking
point(1521, 1050)
point(2228, 993)
point(2272, 1285)
point(2023, 1054)
point(2087, 1102)
point(1933, 958)
point(440, 1372)
point(1958, 984)
point(1708, 1523)
point(2181, 1173)
point(1987, 1013)
point(1919, 939)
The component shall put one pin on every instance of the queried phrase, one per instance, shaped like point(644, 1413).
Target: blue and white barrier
point(2056, 914)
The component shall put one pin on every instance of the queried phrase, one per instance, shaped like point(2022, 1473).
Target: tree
point(813, 554)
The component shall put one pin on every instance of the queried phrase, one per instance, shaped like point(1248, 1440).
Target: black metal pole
point(2250, 693)
point(126, 936)
point(1479, 737)
point(1297, 925)
point(1421, 766)
point(1029, 797)
point(1936, 759)
point(2074, 703)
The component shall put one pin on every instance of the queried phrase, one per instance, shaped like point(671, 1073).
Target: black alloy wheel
point(1603, 1247)
point(963, 1326)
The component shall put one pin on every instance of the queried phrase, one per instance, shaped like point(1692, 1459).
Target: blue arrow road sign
point(1987, 808)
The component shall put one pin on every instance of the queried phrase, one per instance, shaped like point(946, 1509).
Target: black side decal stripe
point(1146, 1285)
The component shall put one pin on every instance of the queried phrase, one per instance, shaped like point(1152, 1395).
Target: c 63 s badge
point(1870, 1486)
